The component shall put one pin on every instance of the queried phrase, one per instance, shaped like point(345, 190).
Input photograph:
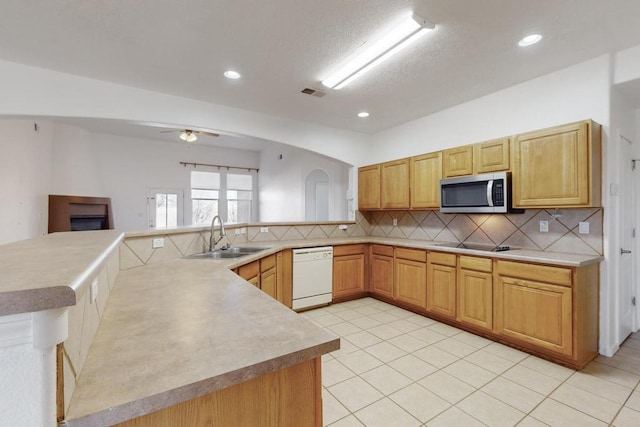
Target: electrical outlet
point(343, 226)
point(157, 243)
point(94, 290)
point(583, 227)
point(238, 231)
point(395, 222)
point(264, 229)
point(544, 226)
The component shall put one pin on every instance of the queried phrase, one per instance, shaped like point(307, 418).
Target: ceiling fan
point(190, 135)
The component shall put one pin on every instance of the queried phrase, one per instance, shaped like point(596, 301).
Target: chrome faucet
point(212, 243)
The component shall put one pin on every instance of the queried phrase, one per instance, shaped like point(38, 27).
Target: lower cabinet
point(441, 284)
point(273, 274)
point(251, 273)
point(268, 277)
point(534, 305)
point(475, 292)
point(410, 284)
point(381, 270)
point(348, 271)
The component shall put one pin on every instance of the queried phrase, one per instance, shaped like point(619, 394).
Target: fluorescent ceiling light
point(363, 114)
point(188, 136)
point(410, 30)
point(230, 74)
point(529, 40)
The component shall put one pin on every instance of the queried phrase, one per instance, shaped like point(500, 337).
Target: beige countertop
point(46, 272)
point(181, 329)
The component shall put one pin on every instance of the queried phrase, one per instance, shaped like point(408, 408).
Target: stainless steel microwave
point(486, 193)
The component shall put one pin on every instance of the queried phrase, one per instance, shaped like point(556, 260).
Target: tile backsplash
point(517, 230)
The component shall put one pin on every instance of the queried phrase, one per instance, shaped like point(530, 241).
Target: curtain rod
point(185, 164)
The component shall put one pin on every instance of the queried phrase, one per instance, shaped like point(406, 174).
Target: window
point(229, 195)
point(205, 194)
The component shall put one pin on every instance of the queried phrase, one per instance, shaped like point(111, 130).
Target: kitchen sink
point(229, 253)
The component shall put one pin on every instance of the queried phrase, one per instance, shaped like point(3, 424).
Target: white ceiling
point(283, 46)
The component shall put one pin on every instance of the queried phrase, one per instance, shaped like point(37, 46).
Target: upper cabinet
point(558, 167)
point(394, 177)
point(369, 187)
point(458, 161)
point(492, 156)
point(426, 173)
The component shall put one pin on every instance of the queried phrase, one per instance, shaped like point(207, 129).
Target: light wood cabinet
point(348, 271)
point(284, 281)
point(535, 312)
point(394, 189)
point(425, 173)
point(251, 273)
point(268, 277)
point(369, 187)
point(410, 269)
point(558, 167)
point(475, 291)
point(441, 284)
point(458, 161)
point(492, 156)
point(381, 270)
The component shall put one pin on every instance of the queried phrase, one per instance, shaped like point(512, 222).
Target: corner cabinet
point(394, 187)
point(425, 173)
point(348, 272)
point(558, 167)
point(369, 187)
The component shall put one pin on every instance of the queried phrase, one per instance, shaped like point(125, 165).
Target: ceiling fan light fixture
point(188, 136)
point(233, 75)
point(407, 32)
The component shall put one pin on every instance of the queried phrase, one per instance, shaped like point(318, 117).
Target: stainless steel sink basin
point(230, 253)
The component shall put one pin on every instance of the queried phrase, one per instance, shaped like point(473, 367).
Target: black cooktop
point(476, 247)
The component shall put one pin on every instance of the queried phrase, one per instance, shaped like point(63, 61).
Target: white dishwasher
point(312, 276)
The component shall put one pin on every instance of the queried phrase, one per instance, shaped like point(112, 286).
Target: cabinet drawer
point(249, 271)
point(348, 250)
point(267, 263)
point(475, 263)
point(538, 273)
point(442, 258)
point(411, 254)
point(382, 250)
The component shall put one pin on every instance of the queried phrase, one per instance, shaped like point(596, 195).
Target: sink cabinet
point(268, 277)
point(251, 273)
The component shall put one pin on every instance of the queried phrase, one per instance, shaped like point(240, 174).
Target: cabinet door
point(284, 274)
point(250, 272)
point(441, 289)
point(348, 275)
point(492, 156)
point(555, 167)
point(458, 161)
point(410, 284)
point(535, 313)
point(426, 173)
point(268, 282)
point(475, 298)
point(382, 275)
point(369, 187)
point(395, 184)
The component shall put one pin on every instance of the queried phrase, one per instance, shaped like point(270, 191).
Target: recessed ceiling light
point(363, 114)
point(529, 40)
point(230, 74)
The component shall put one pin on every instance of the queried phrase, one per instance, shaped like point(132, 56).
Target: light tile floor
point(396, 368)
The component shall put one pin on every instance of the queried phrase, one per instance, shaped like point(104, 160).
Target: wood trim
point(60, 382)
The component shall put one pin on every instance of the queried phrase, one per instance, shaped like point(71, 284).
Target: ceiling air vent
point(313, 92)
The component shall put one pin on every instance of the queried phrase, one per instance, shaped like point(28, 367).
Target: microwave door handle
point(490, 192)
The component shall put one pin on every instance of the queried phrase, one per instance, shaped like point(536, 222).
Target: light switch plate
point(157, 243)
point(395, 222)
point(94, 290)
point(544, 226)
point(583, 227)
